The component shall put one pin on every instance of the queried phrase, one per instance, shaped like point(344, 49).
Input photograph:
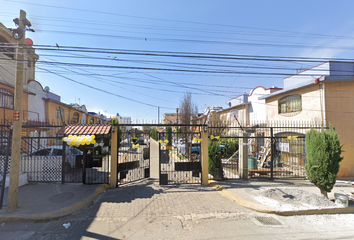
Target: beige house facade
point(323, 95)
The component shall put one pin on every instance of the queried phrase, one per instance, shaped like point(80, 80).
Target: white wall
point(257, 109)
point(36, 104)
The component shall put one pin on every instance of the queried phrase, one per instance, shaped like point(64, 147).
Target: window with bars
point(6, 98)
point(290, 103)
point(60, 113)
point(75, 118)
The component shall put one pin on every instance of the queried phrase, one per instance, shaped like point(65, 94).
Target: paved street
point(145, 210)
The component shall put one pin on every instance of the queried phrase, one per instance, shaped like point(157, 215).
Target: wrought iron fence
point(45, 158)
point(275, 149)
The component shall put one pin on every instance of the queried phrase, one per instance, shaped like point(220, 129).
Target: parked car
point(140, 141)
point(57, 151)
point(195, 150)
point(178, 144)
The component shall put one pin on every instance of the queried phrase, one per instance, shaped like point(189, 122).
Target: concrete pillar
point(114, 158)
point(204, 158)
point(243, 157)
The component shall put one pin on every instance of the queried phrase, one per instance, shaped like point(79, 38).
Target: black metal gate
point(179, 158)
point(87, 164)
point(133, 156)
point(274, 150)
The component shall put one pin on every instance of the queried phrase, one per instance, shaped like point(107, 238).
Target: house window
point(291, 103)
point(92, 121)
point(75, 118)
point(60, 113)
point(98, 121)
point(6, 98)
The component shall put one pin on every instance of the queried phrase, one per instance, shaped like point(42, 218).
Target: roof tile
point(84, 129)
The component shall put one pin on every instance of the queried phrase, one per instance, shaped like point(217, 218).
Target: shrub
point(323, 157)
point(214, 156)
point(231, 146)
point(169, 136)
point(154, 134)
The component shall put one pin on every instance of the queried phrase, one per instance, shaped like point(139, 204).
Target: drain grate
point(268, 221)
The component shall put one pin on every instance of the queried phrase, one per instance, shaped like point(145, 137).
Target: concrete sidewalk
point(39, 201)
point(242, 193)
point(50, 200)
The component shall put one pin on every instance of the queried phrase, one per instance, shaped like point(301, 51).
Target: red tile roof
point(84, 129)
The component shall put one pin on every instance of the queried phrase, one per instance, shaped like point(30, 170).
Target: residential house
point(169, 118)
point(60, 112)
point(8, 68)
point(322, 94)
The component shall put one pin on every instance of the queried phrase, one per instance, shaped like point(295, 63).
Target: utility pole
point(17, 121)
point(158, 115)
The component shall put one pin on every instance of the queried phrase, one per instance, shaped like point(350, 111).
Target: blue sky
point(311, 29)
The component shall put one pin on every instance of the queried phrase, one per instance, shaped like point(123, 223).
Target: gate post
point(204, 156)
point(114, 157)
point(243, 158)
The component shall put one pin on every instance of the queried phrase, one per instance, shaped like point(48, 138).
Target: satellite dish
point(47, 89)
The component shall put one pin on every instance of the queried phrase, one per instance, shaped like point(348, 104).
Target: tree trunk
point(324, 193)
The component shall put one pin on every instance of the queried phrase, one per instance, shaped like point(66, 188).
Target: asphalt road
point(145, 210)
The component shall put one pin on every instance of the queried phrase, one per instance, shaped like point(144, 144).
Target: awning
point(84, 129)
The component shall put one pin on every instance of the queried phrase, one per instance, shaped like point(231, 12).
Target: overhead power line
point(101, 90)
point(171, 20)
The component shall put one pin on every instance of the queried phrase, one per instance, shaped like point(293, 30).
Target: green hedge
point(169, 136)
point(214, 156)
point(154, 134)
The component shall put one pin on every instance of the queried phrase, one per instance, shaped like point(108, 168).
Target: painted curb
point(58, 213)
point(262, 209)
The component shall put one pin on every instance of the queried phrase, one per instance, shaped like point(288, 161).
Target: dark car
point(140, 141)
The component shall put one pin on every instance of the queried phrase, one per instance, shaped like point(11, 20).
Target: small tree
point(218, 126)
point(214, 158)
point(188, 110)
point(323, 152)
point(169, 136)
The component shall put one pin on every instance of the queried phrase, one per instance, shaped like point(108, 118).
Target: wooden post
point(243, 158)
point(114, 157)
point(17, 123)
point(204, 156)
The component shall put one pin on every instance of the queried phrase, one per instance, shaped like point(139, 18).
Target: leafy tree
point(323, 158)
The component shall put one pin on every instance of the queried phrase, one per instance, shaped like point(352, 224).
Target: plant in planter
point(323, 152)
point(214, 160)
